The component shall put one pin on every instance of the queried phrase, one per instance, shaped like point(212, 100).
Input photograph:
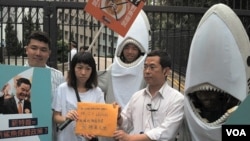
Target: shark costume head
point(127, 78)
point(217, 72)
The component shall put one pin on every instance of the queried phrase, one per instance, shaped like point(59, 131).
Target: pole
point(98, 33)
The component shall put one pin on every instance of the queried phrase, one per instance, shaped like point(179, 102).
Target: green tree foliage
point(59, 33)
point(62, 51)
point(28, 27)
point(13, 46)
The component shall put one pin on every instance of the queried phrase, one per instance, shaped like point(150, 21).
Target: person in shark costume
point(122, 79)
point(217, 74)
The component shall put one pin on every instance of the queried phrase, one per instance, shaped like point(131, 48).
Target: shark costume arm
point(217, 74)
point(103, 79)
point(121, 80)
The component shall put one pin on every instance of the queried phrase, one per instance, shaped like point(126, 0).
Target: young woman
point(82, 81)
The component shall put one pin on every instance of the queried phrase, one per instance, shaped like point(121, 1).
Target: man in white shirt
point(38, 51)
point(73, 51)
point(155, 112)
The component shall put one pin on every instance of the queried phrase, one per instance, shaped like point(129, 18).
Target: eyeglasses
point(149, 67)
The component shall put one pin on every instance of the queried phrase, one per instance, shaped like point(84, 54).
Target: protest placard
point(118, 15)
point(96, 119)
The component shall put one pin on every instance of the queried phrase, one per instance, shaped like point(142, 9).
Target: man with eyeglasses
point(155, 112)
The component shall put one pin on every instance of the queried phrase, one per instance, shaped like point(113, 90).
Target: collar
point(27, 65)
point(160, 91)
point(17, 100)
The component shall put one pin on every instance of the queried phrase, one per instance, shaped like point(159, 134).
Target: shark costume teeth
point(217, 73)
point(128, 78)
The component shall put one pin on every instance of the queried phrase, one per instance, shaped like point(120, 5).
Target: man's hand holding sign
point(96, 119)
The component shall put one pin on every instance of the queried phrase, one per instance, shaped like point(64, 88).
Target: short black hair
point(23, 80)
point(40, 36)
point(165, 59)
point(139, 53)
point(74, 44)
point(86, 58)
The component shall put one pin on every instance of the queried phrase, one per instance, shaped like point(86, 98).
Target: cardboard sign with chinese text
point(96, 119)
point(118, 15)
point(34, 124)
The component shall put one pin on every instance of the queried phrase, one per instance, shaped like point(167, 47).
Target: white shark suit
point(121, 80)
point(217, 67)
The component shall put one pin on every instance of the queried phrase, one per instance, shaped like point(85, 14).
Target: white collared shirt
point(56, 78)
point(164, 119)
point(17, 101)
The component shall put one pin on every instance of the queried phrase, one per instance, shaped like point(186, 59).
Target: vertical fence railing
point(173, 24)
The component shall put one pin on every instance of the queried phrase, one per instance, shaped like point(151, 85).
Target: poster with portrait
point(31, 86)
point(118, 15)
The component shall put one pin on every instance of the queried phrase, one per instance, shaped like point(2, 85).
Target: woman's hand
point(120, 135)
point(87, 136)
point(72, 114)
